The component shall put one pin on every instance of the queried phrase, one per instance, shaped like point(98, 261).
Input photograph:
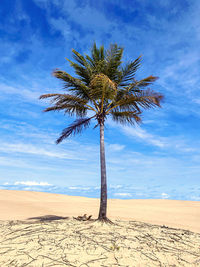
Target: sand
point(144, 233)
point(21, 205)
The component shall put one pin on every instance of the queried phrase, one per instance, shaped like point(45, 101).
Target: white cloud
point(195, 198)
point(29, 95)
point(78, 188)
point(115, 186)
point(25, 129)
point(35, 149)
point(123, 194)
point(164, 195)
point(97, 187)
point(140, 133)
point(116, 147)
point(32, 183)
point(24, 163)
point(179, 143)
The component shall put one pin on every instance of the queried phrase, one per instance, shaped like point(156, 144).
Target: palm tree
point(107, 88)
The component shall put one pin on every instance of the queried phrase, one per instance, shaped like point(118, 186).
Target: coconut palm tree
point(104, 87)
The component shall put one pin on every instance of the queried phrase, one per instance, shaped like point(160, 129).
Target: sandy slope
point(21, 205)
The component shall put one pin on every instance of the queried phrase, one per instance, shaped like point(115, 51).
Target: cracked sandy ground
point(89, 243)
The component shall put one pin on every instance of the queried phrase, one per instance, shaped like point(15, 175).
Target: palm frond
point(64, 98)
point(90, 61)
point(126, 117)
point(138, 85)
point(83, 72)
point(68, 103)
point(143, 99)
point(128, 72)
point(102, 52)
point(48, 95)
point(79, 58)
point(113, 61)
point(97, 59)
point(73, 84)
point(126, 103)
point(76, 127)
point(82, 68)
point(70, 109)
point(97, 54)
point(148, 98)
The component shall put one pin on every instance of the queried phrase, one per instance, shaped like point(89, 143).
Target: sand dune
point(21, 205)
point(134, 238)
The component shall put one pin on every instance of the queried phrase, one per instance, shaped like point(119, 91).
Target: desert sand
point(21, 205)
point(144, 233)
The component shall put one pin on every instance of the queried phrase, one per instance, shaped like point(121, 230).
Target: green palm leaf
point(76, 127)
point(128, 72)
point(113, 61)
point(126, 117)
point(138, 85)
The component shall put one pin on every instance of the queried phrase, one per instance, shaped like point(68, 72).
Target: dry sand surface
point(20, 205)
point(144, 233)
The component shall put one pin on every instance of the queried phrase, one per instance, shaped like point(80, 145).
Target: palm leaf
point(70, 109)
point(82, 67)
point(76, 127)
point(73, 84)
point(126, 117)
point(148, 98)
point(96, 54)
point(64, 98)
point(113, 61)
point(138, 85)
point(131, 102)
point(128, 72)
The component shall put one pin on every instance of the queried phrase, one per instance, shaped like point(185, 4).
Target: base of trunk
point(104, 220)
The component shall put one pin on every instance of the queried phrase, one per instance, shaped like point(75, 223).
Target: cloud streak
point(36, 150)
point(141, 134)
point(122, 192)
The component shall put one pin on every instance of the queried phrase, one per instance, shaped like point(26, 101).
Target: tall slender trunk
point(103, 203)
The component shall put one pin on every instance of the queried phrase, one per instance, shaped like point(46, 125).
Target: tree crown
point(105, 87)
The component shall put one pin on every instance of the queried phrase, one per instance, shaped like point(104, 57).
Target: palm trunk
point(103, 203)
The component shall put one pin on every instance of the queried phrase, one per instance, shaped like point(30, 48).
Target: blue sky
point(158, 159)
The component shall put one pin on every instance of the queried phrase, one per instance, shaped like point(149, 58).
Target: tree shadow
point(48, 218)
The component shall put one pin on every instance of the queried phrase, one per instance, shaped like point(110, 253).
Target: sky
point(157, 159)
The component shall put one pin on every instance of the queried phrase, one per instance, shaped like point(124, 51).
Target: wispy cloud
point(115, 186)
point(31, 183)
point(37, 150)
point(116, 147)
point(79, 188)
point(164, 195)
point(140, 133)
point(123, 194)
